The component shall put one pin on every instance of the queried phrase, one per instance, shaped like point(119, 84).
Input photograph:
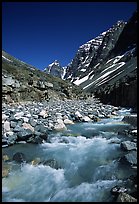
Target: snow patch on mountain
point(106, 74)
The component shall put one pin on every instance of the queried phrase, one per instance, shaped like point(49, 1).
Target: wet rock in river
point(130, 158)
point(36, 161)
point(24, 134)
point(19, 157)
point(131, 119)
point(52, 163)
point(35, 140)
point(127, 145)
point(68, 122)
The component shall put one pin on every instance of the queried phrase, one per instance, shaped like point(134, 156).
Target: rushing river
point(87, 165)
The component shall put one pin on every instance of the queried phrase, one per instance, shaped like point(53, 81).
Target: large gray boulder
point(131, 119)
point(130, 158)
point(127, 145)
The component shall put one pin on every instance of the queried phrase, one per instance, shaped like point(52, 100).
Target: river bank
point(31, 122)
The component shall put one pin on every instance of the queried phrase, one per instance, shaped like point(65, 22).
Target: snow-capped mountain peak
point(55, 69)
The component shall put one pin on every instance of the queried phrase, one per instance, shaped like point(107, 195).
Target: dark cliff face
point(107, 65)
point(128, 38)
point(125, 93)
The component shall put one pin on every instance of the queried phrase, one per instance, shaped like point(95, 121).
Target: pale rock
point(19, 115)
point(50, 125)
point(28, 115)
point(4, 117)
point(10, 133)
point(28, 126)
point(43, 113)
point(86, 119)
point(59, 120)
point(78, 114)
point(7, 126)
point(25, 119)
point(60, 125)
point(134, 131)
point(68, 122)
point(59, 115)
point(65, 117)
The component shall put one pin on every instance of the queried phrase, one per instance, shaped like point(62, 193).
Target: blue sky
point(40, 32)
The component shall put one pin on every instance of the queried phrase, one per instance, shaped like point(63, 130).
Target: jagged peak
point(55, 62)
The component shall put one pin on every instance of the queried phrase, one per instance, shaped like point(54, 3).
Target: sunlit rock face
point(54, 69)
point(107, 64)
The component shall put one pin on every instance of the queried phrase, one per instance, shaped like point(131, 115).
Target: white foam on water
point(36, 183)
point(85, 192)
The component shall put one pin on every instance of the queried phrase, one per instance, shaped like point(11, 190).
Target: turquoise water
point(87, 155)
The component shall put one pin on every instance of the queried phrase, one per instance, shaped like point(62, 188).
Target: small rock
point(28, 126)
point(32, 122)
point(68, 122)
point(133, 132)
point(13, 124)
point(78, 114)
point(36, 161)
point(52, 163)
point(60, 126)
point(25, 134)
point(35, 140)
point(86, 119)
point(18, 128)
point(19, 115)
point(7, 126)
point(4, 117)
point(41, 128)
point(43, 114)
point(25, 119)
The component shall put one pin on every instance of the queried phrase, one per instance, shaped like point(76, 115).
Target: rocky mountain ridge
point(107, 65)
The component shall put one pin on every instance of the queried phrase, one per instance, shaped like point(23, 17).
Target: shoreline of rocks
point(32, 121)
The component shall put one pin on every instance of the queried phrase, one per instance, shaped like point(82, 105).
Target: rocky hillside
point(23, 82)
point(107, 65)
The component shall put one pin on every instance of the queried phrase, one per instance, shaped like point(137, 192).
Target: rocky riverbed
point(32, 121)
point(40, 122)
